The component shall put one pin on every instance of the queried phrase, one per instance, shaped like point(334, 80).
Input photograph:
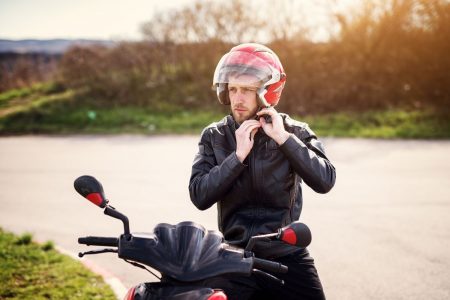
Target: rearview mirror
point(297, 234)
point(91, 189)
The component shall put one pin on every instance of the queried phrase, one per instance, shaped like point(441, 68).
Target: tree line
point(387, 53)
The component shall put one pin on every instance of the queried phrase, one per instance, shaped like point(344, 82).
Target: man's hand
point(245, 138)
point(275, 130)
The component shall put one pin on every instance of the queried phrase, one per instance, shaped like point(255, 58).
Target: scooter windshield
point(185, 252)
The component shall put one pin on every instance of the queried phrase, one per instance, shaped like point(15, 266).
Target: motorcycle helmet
point(251, 60)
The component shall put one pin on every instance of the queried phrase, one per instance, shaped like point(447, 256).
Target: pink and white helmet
point(255, 61)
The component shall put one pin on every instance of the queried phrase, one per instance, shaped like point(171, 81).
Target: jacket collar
point(233, 125)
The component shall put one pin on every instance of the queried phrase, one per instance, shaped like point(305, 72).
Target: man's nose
point(240, 95)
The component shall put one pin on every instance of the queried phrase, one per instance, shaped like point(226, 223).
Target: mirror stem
point(117, 215)
point(254, 239)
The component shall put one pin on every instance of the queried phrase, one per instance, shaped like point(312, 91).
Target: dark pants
point(300, 282)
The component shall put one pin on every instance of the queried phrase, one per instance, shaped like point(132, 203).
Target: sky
point(92, 19)
point(100, 19)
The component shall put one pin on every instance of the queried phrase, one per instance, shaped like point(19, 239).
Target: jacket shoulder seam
point(298, 127)
point(215, 126)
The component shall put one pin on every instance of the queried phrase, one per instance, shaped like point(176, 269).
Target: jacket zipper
point(254, 198)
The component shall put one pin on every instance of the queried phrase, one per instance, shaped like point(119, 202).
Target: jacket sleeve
point(210, 181)
point(309, 161)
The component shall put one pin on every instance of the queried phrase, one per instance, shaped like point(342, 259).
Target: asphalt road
point(383, 232)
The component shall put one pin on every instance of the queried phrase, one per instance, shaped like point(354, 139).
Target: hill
point(52, 46)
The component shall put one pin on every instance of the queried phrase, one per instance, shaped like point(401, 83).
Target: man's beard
point(240, 118)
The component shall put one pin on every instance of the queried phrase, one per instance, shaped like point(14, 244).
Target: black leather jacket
point(264, 192)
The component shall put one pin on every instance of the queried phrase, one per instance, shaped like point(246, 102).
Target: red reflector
point(218, 295)
point(95, 198)
point(289, 236)
point(130, 294)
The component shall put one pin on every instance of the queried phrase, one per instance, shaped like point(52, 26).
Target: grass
point(22, 100)
point(104, 121)
point(32, 271)
point(388, 124)
point(68, 113)
point(47, 109)
point(44, 88)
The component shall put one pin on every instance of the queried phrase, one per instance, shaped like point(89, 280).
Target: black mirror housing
point(296, 234)
point(91, 189)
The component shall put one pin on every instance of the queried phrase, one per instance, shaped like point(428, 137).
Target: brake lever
point(268, 276)
point(81, 254)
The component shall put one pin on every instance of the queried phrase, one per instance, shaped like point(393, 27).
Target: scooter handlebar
point(269, 266)
point(99, 241)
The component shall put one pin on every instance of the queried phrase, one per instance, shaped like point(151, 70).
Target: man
point(252, 164)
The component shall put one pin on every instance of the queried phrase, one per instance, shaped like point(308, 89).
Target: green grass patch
point(61, 118)
point(425, 124)
point(44, 88)
point(25, 99)
point(32, 271)
point(57, 116)
point(12, 94)
point(48, 109)
point(105, 121)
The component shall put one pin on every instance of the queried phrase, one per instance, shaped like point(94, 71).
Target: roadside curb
point(116, 285)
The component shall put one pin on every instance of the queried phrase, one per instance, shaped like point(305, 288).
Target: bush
point(389, 54)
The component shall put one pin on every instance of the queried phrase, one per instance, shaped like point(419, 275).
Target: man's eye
point(232, 89)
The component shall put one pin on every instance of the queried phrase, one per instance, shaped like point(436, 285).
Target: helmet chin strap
point(266, 117)
point(261, 93)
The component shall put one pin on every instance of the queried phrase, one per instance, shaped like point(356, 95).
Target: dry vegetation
point(386, 54)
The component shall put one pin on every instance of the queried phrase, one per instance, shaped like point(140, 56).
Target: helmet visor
point(242, 68)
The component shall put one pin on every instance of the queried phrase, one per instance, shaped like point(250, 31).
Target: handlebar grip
point(269, 266)
point(98, 241)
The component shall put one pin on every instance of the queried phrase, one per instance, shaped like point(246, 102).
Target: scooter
point(184, 254)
